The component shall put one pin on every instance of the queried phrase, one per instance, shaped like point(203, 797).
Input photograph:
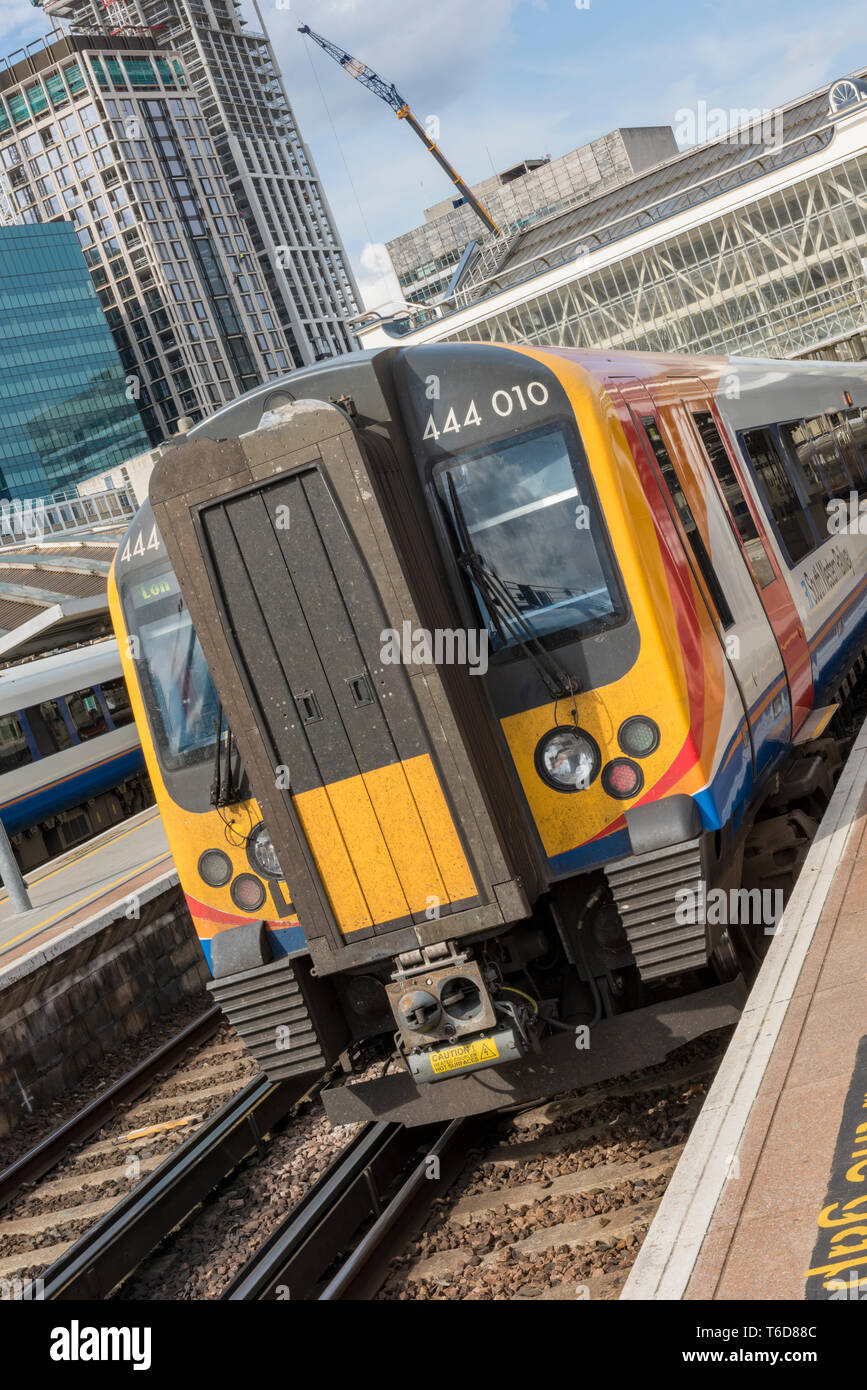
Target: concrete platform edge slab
point(69, 940)
point(673, 1243)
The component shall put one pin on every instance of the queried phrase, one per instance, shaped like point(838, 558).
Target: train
point(71, 762)
point(468, 674)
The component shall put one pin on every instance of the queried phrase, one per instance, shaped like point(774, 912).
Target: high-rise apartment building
point(106, 133)
point(233, 74)
point(65, 410)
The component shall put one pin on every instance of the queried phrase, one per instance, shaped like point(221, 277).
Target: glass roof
point(694, 177)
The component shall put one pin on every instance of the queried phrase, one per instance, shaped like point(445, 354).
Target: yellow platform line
point(80, 858)
point(67, 911)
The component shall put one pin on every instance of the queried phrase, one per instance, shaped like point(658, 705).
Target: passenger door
point(748, 527)
point(662, 416)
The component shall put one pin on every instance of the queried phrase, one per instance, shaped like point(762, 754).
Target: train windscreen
point(176, 682)
point(525, 515)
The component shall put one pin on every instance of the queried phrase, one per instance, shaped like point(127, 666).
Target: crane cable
point(370, 239)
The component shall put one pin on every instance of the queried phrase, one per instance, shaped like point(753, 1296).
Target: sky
point(516, 79)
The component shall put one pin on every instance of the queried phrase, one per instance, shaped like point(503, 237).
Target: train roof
point(245, 412)
point(33, 681)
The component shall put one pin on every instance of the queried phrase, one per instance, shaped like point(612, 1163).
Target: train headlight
point(261, 854)
point(215, 867)
point(622, 778)
point(567, 759)
point(248, 893)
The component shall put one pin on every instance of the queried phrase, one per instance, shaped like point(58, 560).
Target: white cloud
point(764, 64)
point(377, 280)
point(432, 53)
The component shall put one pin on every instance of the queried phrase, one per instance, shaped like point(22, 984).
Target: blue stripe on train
point(89, 781)
point(285, 941)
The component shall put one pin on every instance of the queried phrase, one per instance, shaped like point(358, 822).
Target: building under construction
point(425, 259)
point(233, 74)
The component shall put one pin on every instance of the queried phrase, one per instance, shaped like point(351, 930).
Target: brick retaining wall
point(62, 1010)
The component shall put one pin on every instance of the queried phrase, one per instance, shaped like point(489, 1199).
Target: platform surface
point(96, 877)
point(777, 1157)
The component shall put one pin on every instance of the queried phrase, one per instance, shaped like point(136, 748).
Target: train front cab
point(429, 813)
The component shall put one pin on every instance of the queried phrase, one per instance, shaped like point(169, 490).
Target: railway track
point(111, 1249)
point(481, 1207)
point(46, 1154)
point(358, 1188)
point(59, 1189)
point(558, 1205)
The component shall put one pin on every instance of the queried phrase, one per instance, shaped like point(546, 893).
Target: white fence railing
point(34, 518)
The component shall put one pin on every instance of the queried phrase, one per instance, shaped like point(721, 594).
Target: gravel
point(33, 1128)
point(634, 1129)
point(204, 1256)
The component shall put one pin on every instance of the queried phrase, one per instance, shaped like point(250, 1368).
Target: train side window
point(50, 711)
point(117, 699)
point(857, 420)
point(797, 437)
point(754, 546)
point(856, 461)
point(783, 502)
point(14, 750)
point(687, 520)
point(832, 462)
point(87, 716)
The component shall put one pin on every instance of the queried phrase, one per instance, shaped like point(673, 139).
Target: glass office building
point(107, 133)
point(64, 410)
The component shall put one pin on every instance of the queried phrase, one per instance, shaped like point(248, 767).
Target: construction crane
point(389, 93)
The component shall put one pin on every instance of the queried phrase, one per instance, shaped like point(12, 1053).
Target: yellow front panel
point(408, 844)
point(368, 849)
point(332, 859)
point(385, 844)
point(451, 860)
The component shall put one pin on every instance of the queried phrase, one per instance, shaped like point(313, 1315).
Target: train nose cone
point(419, 1011)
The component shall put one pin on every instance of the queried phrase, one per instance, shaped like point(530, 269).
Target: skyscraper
point(65, 412)
point(234, 76)
point(106, 133)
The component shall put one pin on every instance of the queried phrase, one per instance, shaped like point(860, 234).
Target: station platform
point(106, 950)
point(88, 882)
point(769, 1199)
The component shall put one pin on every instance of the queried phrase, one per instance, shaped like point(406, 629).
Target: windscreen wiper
point(217, 784)
point(557, 680)
point(232, 789)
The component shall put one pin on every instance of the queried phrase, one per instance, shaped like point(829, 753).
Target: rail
point(315, 1253)
point(50, 1150)
point(113, 1247)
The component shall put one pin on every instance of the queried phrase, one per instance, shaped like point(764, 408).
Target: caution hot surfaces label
point(467, 1055)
